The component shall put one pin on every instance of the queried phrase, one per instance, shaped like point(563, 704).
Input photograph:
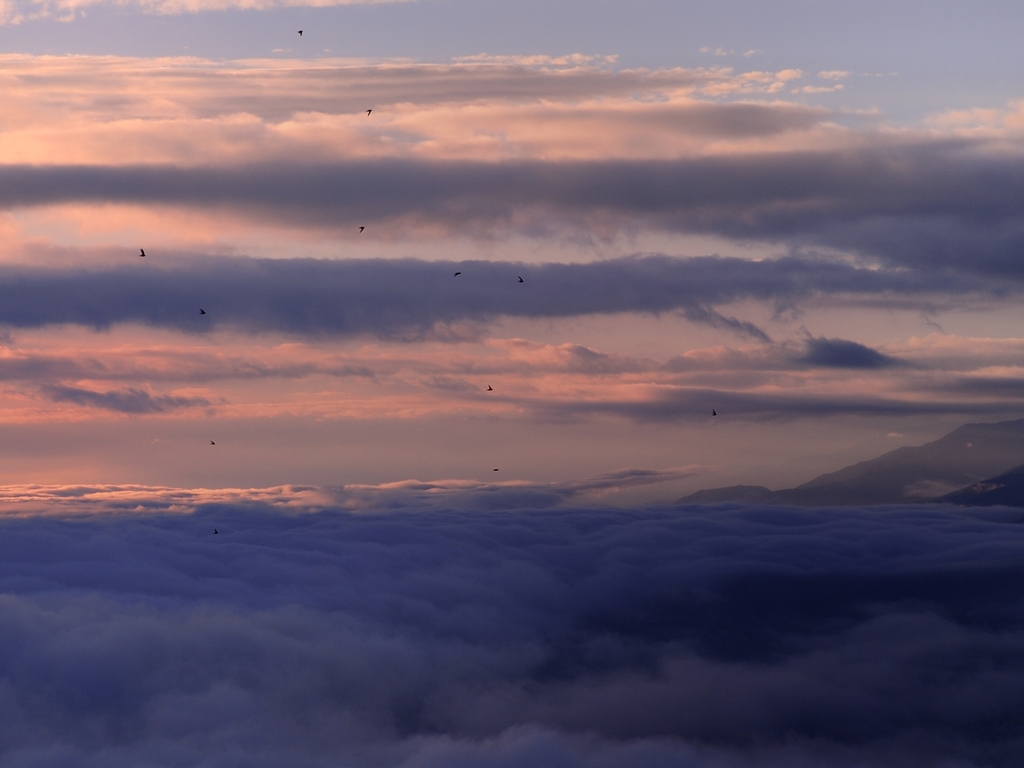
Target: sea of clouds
point(673, 636)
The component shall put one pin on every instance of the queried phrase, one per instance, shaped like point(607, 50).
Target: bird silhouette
point(300, 33)
point(142, 254)
point(368, 112)
point(714, 412)
point(494, 470)
point(490, 388)
point(520, 279)
point(362, 228)
point(212, 443)
point(202, 311)
point(215, 531)
point(456, 274)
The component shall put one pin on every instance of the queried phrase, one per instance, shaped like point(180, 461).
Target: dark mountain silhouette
point(929, 472)
point(1006, 490)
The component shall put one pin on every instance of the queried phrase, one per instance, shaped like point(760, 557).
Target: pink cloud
point(191, 111)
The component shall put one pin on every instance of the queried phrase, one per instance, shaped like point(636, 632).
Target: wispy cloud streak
point(130, 400)
point(192, 111)
point(21, 500)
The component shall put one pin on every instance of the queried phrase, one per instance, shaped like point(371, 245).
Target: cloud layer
point(726, 637)
point(839, 353)
point(500, 168)
point(18, 11)
point(403, 297)
point(920, 206)
point(490, 147)
point(191, 111)
point(405, 495)
point(542, 148)
point(406, 339)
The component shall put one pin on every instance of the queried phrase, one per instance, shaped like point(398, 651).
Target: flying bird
point(202, 311)
point(300, 33)
point(142, 253)
point(490, 388)
point(212, 443)
point(215, 531)
point(368, 112)
point(362, 228)
point(494, 470)
point(520, 279)
point(714, 412)
point(456, 274)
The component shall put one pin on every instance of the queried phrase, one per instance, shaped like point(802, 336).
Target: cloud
point(487, 149)
point(858, 215)
point(539, 60)
point(935, 205)
point(789, 74)
point(67, 500)
point(18, 11)
point(322, 375)
point(732, 636)
point(194, 111)
point(330, 340)
point(551, 149)
point(188, 363)
point(703, 314)
point(688, 403)
point(21, 500)
point(470, 494)
point(128, 400)
point(406, 298)
point(819, 88)
point(840, 353)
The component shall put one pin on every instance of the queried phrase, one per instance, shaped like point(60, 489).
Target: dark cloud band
point(929, 202)
point(395, 298)
point(790, 189)
point(840, 353)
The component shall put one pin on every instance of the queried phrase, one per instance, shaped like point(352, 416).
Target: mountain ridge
point(970, 454)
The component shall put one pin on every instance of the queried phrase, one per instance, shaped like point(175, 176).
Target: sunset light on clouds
point(444, 306)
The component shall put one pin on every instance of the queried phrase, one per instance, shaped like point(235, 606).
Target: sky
point(349, 381)
point(804, 216)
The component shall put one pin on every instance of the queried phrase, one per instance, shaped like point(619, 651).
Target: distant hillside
point(965, 456)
